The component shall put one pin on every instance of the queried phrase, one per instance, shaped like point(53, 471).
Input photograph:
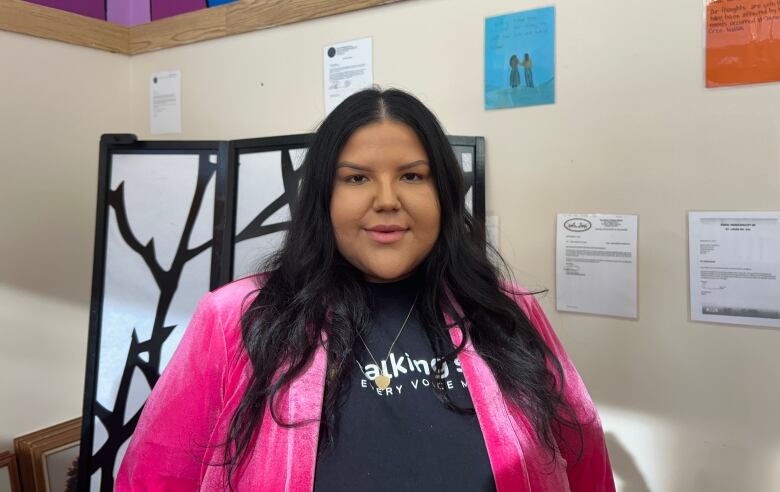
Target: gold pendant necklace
point(383, 380)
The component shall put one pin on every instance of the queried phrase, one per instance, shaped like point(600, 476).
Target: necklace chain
point(390, 351)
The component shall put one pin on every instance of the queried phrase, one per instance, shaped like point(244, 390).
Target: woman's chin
point(387, 275)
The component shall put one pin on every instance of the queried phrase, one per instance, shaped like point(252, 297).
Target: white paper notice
point(735, 265)
point(348, 69)
point(596, 264)
point(165, 102)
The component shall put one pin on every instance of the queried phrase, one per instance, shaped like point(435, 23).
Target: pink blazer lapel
point(290, 454)
point(305, 398)
point(498, 429)
point(519, 461)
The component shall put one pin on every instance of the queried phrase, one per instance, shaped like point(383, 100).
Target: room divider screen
point(174, 220)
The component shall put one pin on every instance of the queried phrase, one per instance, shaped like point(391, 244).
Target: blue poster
point(520, 59)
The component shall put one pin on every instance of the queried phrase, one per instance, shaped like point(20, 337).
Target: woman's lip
point(387, 228)
point(386, 237)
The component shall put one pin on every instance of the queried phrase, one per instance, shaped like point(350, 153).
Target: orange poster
point(743, 42)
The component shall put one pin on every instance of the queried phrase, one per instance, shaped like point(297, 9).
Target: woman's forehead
point(383, 142)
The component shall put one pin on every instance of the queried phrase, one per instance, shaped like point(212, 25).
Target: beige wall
point(55, 101)
point(687, 406)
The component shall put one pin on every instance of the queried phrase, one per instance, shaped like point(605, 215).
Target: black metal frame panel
point(111, 145)
point(290, 177)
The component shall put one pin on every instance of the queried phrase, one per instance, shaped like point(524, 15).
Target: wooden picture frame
point(9, 472)
point(45, 456)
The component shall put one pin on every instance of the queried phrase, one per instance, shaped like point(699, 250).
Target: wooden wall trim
point(210, 23)
point(253, 15)
point(178, 30)
point(44, 22)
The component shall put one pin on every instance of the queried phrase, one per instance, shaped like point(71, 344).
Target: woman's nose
point(386, 196)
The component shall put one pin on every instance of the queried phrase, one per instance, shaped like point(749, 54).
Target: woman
point(380, 352)
point(529, 74)
point(514, 73)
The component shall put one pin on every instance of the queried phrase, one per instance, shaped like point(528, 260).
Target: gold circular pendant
point(382, 381)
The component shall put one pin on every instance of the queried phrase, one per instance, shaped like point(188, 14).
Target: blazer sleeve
point(589, 471)
point(170, 443)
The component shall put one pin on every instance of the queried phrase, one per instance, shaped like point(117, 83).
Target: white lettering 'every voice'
point(404, 365)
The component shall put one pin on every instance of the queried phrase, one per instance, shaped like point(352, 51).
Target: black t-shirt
point(403, 438)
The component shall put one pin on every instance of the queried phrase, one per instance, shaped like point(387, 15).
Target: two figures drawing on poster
point(514, 74)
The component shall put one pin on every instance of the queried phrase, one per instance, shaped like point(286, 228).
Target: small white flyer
point(596, 264)
point(165, 102)
point(735, 267)
point(348, 68)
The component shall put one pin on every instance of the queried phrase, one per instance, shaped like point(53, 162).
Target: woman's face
point(384, 208)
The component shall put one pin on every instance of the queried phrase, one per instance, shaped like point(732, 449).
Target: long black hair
point(311, 288)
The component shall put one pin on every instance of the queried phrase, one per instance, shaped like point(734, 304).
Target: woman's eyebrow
point(402, 167)
point(413, 164)
point(350, 165)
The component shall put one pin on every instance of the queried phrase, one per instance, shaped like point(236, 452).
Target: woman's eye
point(355, 179)
point(412, 177)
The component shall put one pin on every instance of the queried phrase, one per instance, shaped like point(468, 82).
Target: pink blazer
point(188, 412)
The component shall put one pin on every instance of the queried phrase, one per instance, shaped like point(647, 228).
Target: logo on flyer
point(577, 225)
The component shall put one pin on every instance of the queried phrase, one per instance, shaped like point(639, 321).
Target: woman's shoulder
point(230, 298)
point(529, 304)
point(225, 305)
point(523, 297)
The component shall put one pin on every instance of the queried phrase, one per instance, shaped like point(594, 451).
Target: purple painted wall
point(129, 13)
point(167, 8)
point(90, 8)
